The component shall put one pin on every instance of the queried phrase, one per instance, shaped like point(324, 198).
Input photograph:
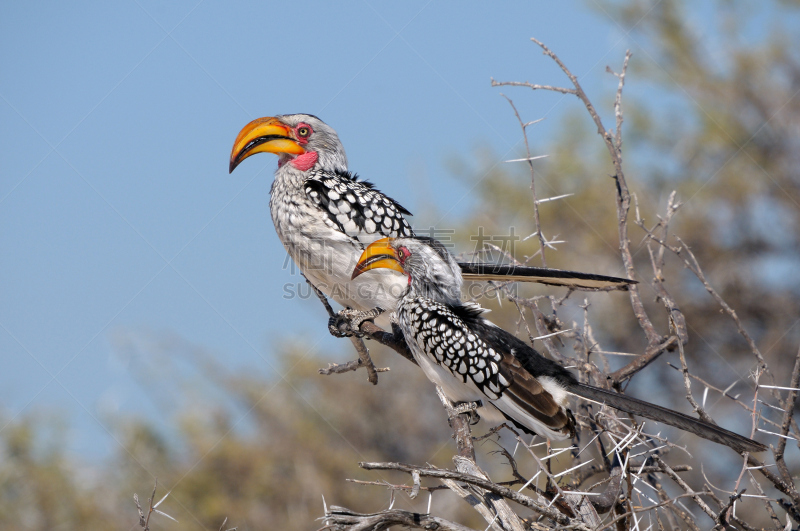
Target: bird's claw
point(471, 408)
point(347, 322)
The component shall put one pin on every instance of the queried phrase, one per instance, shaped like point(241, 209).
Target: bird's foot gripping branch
point(348, 322)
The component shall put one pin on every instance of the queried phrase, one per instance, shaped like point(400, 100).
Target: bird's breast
point(327, 256)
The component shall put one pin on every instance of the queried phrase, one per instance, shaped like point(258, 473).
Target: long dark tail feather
point(667, 416)
point(543, 275)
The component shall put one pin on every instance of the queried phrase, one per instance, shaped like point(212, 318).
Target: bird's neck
point(437, 278)
point(289, 177)
point(449, 295)
point(292, 172)
point(334, 162)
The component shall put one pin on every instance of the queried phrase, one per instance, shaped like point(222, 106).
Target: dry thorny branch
point(144, 519)
point(152, 507)
point(639, 488)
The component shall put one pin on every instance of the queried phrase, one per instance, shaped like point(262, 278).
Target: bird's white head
point(302, 141)
point(432, 271)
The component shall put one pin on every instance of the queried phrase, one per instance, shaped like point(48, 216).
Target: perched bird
point(325, 216)
point(473, 360)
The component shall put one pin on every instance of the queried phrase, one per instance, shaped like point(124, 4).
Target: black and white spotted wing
point(464, 344)
point(356, 207)
point(447, 340)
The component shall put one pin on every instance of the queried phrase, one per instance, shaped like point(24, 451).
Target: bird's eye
point(303, 131)
point(403, 254)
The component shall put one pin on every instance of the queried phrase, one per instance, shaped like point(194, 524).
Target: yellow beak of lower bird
point(263, 135)
point(378, 255)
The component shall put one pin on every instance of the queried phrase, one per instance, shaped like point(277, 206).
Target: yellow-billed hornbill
point(325, 216)
point(473, 360)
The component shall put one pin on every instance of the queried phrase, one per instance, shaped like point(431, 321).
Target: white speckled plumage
point(467, 369)
point(472, 359)
point(325, 217)
point(439, 330)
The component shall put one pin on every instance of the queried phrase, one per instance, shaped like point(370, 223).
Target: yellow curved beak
point(378, 254)
point(263, 135)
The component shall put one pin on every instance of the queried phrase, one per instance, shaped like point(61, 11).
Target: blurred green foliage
point(263, 457)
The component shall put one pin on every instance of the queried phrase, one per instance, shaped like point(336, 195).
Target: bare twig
point(340, 518)
point(354, 365)
point(392, 486)
point(688, 385)
point(691, 262)
point(394, 342)
point(459, 422)
point(492, 507)
point(532, 86)
point(623, 195)
point(657, 262)
point(361, 348)
point(499, 513)
point(523, 126)
point(685, 486)
point(610, 497)
point(372, 331)
point(767, 502)
point(788, 413)
point(652, 352)
point(144, 519)
point(725, 393)
point(482, 483)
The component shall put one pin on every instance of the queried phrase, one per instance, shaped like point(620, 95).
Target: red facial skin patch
point(305, 161)
point(404, 253)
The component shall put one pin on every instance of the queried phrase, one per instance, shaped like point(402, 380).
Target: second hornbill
point(325, 216)
point(473, 360)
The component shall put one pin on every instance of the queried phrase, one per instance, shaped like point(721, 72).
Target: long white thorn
point(554, 454)
point(650, 450)
point(553, 334)
point(778, 387)
point(645, 495)
point(778, 434)
point(573, 468)
point(554, 198)
point(161, 500)
point(551, 242)
point(492, 522)
point(526, 159)
point(619, 444)
point(530, 481)
point(526, 238)
point(164, 514)
point(636, 475)
point(554, 498)
point(590, 442)
point(770, 405)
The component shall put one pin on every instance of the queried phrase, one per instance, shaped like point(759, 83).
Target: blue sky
point(116, 207)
